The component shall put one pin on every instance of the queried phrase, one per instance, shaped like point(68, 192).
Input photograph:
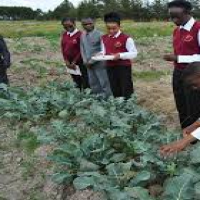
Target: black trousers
point(81, 82)
point(3, 75)
point(121, 81)
point(187, 100)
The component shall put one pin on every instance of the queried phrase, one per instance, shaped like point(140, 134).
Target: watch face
point(118, 44)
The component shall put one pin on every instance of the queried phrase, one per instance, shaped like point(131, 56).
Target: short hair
point(181, 4)
point(70, 19)
point(192, 69)
point(112, 17)
point(87, 18)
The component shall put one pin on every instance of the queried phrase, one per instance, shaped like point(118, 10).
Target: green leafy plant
point(109, 146)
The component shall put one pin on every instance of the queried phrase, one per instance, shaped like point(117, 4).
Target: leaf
point(62, 178)
point(63, 114)
point(197, 191)
point(94, 174)
point(115, 194)
point(118, 169)
point(86, 166)
point(71, 149)
point(60, 159)
point(99, 110)
point(179, 188)
point(140, 178)
point(194, 155)
point(138, 193)
point(81, 183)
point(118, 157)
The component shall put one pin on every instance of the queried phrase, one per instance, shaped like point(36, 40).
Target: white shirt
point(72, 33)
point(190, 58)
point(196, 133)
point(130, 46)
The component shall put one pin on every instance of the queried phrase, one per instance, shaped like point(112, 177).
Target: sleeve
point(99, 38)
point(191, 58)
point(82, 50)
point(63, 49)
point(78, 56)
point(196, 133)
point(132, 51)
point(5, 54)
point(103, 49)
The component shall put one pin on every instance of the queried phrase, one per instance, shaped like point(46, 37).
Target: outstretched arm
point(177, 146)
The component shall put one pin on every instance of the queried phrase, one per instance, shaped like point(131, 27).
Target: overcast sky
point(45, 5)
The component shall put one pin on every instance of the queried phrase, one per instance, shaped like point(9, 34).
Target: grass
point(28, 141)
point(18, 29)
point(28, 167)
point(150, 75)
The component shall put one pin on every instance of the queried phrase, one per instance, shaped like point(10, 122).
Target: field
point(38, 73)
point(53, 29)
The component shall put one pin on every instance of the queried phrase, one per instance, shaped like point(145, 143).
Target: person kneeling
point(191, 78)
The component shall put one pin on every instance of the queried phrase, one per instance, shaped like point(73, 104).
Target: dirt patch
point(157, 96)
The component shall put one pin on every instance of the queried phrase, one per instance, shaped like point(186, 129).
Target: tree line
point(138, 10)
point(19, 13)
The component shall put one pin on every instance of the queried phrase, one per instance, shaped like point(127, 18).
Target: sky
point(44, 5)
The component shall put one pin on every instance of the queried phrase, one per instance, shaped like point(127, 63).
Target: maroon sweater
point(71, 47)
point(186, 43)
point(115, 45)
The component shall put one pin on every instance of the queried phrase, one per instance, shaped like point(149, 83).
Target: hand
point(170, 57)
point(67, 63)
point(88, 65)
point(72, 66)
point(99, 54)
point(173, 148)
point(116, 56)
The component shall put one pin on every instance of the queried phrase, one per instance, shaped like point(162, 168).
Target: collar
point(188, 26)
point(117, 34)
point(73, 33)
point(91, 32)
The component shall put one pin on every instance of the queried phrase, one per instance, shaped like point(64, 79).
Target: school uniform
point(120, 71)
point(70, 45)
point(186, 43)
point(97, 73)
point(4, 61)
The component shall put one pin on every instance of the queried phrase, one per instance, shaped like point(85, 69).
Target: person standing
point(90, 46)
point(186, 44)
point(70, 45)
point(122, 47)
point(4, 61)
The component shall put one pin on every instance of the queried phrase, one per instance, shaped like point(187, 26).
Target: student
point(123, 48)
point(191, 77)
point(70, 45)
point(4, 61)
point(186, 44)
point(90, 46)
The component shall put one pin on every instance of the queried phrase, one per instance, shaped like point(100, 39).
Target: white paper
point(76, 71)
point(102, 57)
point(196, 133)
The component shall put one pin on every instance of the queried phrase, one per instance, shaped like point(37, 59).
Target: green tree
point(88, 9)
point(66, 8)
